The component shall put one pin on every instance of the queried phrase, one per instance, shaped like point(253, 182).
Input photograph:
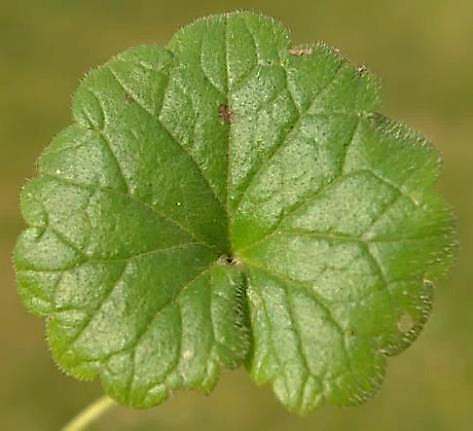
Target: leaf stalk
point(91, 413)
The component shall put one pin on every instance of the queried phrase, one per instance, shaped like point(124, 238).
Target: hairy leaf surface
point(232, 198)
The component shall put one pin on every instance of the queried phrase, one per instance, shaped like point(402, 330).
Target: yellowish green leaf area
point(232, 199)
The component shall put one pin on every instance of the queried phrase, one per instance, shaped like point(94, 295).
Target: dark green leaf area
point(232, 198)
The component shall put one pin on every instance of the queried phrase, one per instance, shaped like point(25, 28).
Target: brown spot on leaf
point(129, 98)
point(225, 114)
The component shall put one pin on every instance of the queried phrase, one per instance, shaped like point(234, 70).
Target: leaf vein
point(92, 314)
point(106, 141)
point(111, 191)
point(172, 301)
point(156, 117)
point(284, 140)
point(297, 331)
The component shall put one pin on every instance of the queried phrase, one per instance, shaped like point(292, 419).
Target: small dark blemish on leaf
point(229, 260)
point(232, 261)
point(350, 332)
point(128, 98)
point(225, 114)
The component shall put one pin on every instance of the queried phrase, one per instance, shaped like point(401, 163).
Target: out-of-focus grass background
point(422, 49)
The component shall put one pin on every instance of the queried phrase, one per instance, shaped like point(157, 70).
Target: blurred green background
point(422, 50)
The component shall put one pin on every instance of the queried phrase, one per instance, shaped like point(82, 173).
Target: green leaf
point(232, 198)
